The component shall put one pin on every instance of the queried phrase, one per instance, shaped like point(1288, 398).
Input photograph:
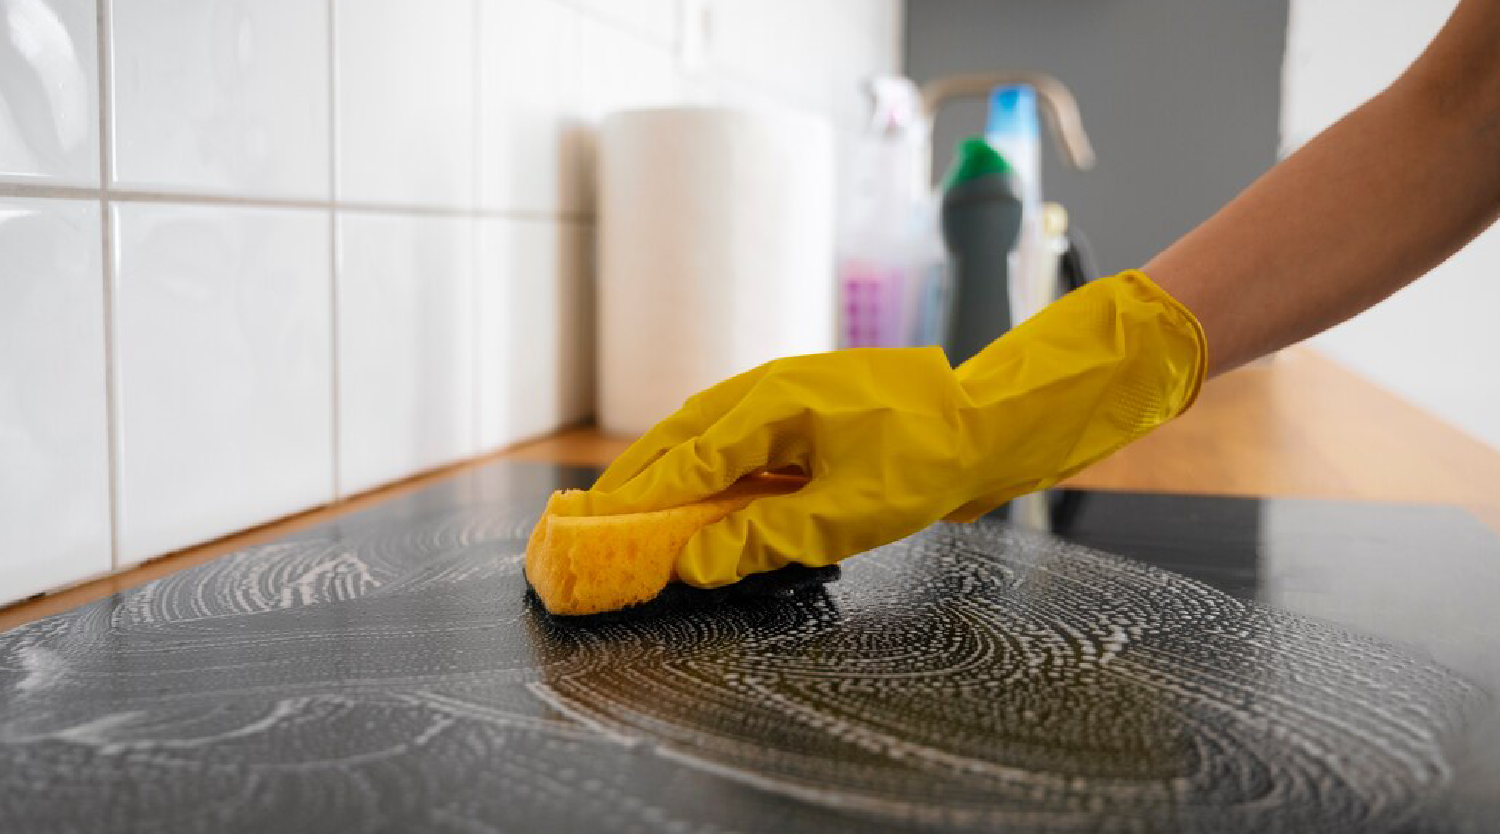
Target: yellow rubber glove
point(894, 439)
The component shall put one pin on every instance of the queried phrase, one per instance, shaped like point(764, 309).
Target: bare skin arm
point(1371, 204)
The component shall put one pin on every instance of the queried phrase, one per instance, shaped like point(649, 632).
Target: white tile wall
point(405, 345)
point(535, 337)
point(609, 70)
point(227, 96)
point(223, 351)
point(524, 68)
point(654, 19)
point(759, 42)
point(54, 495)
point(49, 99)
point(405, 103)
point(351, 238)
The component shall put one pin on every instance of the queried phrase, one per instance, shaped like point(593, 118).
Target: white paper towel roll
point(716, 251)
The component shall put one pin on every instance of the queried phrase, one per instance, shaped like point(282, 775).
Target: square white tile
point(223, 352)
point(876, 22)
point(536, 328)
point(608, 70)
point(222, 96)
point(405, 101)
point(524, 120)
point(54, 483)
point(781, 44)
point(655, 20)
point(406, 348)
point(49, 91)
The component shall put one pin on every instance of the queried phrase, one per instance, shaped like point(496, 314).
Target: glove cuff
point(1095, 370)
point(1187, 355)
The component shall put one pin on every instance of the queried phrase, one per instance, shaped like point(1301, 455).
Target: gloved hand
point(894, 439)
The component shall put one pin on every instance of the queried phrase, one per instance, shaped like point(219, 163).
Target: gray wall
point(1181, 97)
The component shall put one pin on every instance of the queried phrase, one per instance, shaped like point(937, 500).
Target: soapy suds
point(970, 678)
point(974, 677)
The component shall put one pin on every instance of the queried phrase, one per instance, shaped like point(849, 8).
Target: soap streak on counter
point(386, 673)
point(975, 677)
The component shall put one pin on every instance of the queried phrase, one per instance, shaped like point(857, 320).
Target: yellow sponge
point(589, 564)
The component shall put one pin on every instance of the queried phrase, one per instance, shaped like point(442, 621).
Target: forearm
point(1365, 208)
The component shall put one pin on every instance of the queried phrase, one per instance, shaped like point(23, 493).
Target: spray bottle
point(1015, 131)
point(881, 263)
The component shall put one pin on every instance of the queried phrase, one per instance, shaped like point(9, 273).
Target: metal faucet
point(1058, 104)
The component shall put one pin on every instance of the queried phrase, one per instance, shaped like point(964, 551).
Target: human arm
point(1368, 206)
point(892, 439)
point(1375, 201)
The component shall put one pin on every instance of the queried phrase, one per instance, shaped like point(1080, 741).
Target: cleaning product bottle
point(880, 267)
point(931, 305)
point(981, 218)
point(1013, 129)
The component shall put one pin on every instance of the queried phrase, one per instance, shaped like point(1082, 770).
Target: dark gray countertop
point(1259, 665)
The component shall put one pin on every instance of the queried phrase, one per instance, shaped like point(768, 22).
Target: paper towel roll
point(716, 251)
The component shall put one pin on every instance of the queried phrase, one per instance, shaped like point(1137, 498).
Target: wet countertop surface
point(1158, 663)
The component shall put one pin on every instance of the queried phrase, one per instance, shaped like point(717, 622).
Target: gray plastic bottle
point(981, 219)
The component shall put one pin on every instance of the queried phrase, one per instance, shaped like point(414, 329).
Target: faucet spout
point(1058, 105)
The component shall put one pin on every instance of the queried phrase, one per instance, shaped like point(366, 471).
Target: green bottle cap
point(975, 158)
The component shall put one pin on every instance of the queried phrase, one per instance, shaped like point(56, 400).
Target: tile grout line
point(107, 276)
point(191, 198)
point(334, 312)
point(52, 190)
